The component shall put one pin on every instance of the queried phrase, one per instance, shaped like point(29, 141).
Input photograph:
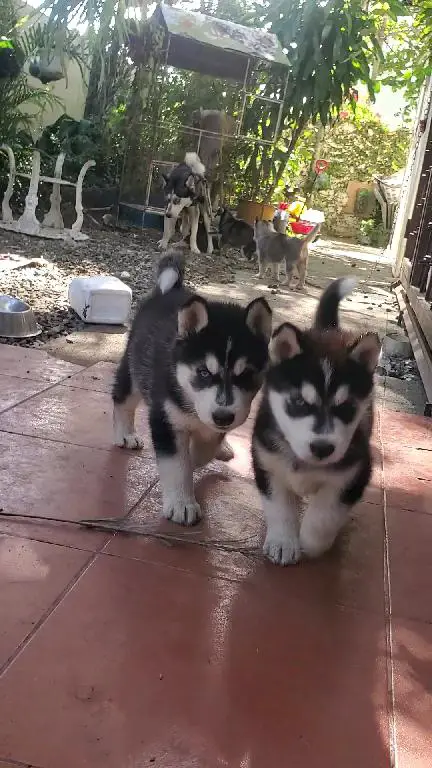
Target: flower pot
point(249, 211)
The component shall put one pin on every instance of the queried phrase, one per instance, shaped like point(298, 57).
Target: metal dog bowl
point(17, 320)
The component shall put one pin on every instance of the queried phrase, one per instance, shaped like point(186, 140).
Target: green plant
point(81, 141)
point(371, 233)
point(365, 203)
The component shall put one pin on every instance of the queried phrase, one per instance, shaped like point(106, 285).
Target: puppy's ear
point(286, 343)
point(192, 317)
point(366, 350)
point(190, 182)
point(259, 318)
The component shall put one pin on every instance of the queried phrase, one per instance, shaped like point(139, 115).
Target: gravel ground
point(108, 251)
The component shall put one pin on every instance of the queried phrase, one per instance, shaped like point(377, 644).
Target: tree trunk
point(140, 127)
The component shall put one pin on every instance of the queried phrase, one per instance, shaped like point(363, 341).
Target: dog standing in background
point(187, 197)
point(274, 249)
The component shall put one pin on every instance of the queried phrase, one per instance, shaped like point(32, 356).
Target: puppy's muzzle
point(223, 418)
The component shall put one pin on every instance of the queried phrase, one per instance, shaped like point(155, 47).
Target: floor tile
point(408, 479)
point(98, 378)
point(410, 537)
point(406, 429)
point(32, 576)
point(14, 390)
point(172, 669)
point(71, 415)
point(34, 364)
point(412, 654)
point(68, 482)
point(351, 575)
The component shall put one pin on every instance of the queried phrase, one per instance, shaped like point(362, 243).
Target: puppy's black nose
point(222, 418)
point(321, 449)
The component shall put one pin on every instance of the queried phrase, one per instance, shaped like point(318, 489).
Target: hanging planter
point(50, 65)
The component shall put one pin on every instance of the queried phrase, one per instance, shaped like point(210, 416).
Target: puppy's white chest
point(304, 483)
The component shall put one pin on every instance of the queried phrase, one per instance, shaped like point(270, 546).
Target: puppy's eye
point(345, 411)
point(298, 401)
point(203, 372)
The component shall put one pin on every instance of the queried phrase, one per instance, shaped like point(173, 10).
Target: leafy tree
point(407, 56)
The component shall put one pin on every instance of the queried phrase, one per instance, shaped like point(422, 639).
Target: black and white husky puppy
point(187, 198)
point(198, 364)
point(312, 431)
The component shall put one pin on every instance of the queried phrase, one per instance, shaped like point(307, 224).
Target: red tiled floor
point(69, 482)
point(32, 575)
point(136, 667)
point(14, 390)
point(410, 538)
point(34, 364)
point(412, 653)
point(70, 415)
point(350, 575)
point(178, 654)
point(98, 377)
point(406, 429)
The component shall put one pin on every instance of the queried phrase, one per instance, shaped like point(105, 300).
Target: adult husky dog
point(274, 249)
point(198, 364)
point(187, 196)
point(312, 431)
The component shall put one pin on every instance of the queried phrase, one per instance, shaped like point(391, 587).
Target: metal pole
point(281, 106)
point(243, 106)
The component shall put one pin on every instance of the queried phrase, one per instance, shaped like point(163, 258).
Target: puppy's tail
point(312, 234)
point(170, 271)
point(194, 163)
point(327, 314)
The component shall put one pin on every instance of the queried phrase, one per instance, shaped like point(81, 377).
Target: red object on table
point(301, 227)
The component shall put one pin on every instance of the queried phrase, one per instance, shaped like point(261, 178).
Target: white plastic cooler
point(100, 299)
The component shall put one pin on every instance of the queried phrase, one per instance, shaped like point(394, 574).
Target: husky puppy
point(312, 431)
point(187, 197)
point(198, 364)
point(275, 248)
point(236, 232)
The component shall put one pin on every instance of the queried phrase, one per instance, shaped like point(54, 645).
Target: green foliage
point(371, 233)
point(362, 146)
point(357, 150)
point(407, 59)
point(81, 141)
point(329, 46)
point(365, 203)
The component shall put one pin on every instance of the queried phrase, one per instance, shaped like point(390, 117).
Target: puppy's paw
point(314, 543)
point(182, 512)
point(133, 442)
point(224, 452)
point(195, 250)
point(282, 551)
point(162, 245)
